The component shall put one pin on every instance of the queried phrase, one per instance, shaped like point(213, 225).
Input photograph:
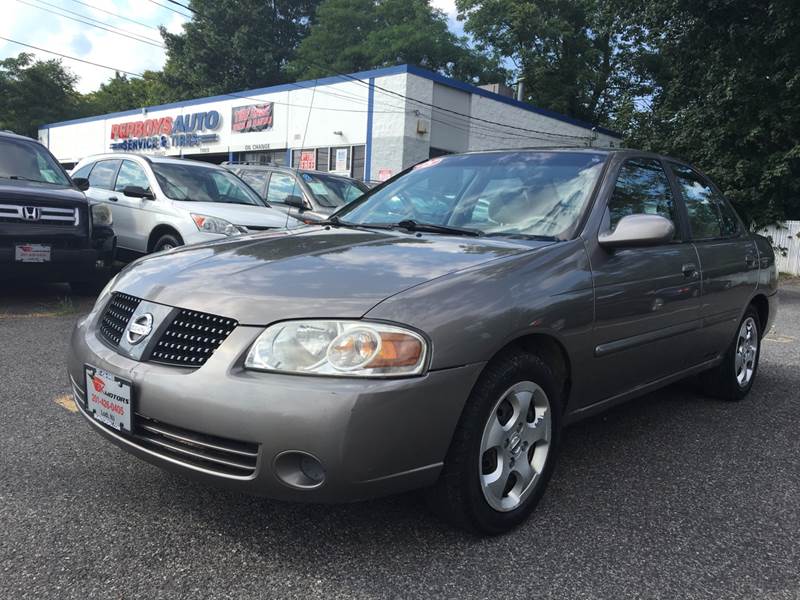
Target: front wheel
point(167, 242)
point(733, 378)
point(503, 451)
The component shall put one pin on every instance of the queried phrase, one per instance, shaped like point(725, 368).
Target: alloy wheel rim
point(746, 352)
point(515, 446)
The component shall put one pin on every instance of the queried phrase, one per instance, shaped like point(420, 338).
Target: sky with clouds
point(55, 25)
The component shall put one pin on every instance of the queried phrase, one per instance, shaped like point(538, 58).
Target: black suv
point(306, 195)
point(47, 230)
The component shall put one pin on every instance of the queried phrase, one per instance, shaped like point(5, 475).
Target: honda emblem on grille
point(31, 213)
point(139, 328)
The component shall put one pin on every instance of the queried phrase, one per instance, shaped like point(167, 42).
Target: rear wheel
point(167, 242)
point(734, 377)
point(503, 451)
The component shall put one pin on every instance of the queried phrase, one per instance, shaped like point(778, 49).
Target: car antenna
point(303, 143)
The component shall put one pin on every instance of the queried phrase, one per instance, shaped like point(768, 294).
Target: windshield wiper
point(524, 236)
point(336, 221)
point(412, 225)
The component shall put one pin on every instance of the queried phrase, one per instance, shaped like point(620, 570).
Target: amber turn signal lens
point(397, 350)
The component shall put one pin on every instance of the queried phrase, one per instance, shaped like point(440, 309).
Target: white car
point(160, 203)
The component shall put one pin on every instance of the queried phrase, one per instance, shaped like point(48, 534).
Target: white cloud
point(35, 22)
point(40, 26)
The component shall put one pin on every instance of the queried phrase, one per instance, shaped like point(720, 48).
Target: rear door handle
point(689, 270)
point(113, 199)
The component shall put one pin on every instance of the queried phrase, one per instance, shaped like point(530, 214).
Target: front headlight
point(101, 215)
point(208, 224)
point(338, 348)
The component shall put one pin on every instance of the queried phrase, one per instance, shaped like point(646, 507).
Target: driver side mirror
point(638, 230)
point(81, 183)
point(295, 201)
point(134, 191)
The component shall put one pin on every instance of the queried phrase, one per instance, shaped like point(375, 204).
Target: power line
point(88, 62)
point(189, 8)
point(132, 37)
point(170, 8)
point(113, 14)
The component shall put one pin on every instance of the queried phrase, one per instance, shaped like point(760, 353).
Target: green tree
point(356, 35)
point(571, 53)
point(124, 93)
point(232, 45)
point(726, 83)
point(34, 92)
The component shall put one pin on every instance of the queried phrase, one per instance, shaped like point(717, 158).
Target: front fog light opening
point(299, 470)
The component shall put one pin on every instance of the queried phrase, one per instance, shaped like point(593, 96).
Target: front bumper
point(66, 263)
point(373, 437)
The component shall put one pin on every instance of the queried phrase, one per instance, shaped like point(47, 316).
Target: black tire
point(722, 381)
point(457, 497)
point(167, 242)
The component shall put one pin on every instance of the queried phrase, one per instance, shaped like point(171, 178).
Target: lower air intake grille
point(116, 316)
point(191, 339)
point(222, 455)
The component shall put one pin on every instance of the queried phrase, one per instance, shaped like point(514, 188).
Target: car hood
point(239, 214)
point(42, 193)
point(304, 273)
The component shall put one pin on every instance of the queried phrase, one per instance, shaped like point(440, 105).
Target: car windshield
point(197, 183)
point(521, 194)
point(333, 191)
point(29, 162)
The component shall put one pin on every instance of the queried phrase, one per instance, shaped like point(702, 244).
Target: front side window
point(102, 175)
point(83, 171)
point(27, 161)
point(642, 188)
point(701, 204)
point(523, 194)
point(281, 186)
point(131, 175)
point(196, 183)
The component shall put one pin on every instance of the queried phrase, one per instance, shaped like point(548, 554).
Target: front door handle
point(113, 199)
point(689, 270)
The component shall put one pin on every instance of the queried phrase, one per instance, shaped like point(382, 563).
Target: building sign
point(384, 174)
point(308, 160)
point(166, 132)
point(256, 117)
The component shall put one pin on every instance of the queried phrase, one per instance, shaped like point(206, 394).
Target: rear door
point(647, 302)
point(728, 258)
point(138, 216)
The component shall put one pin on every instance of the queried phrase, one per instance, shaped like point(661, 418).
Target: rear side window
point(642, 188)
point(102, 176)
point(131, 174)
point(710, 216)
point(256, 180)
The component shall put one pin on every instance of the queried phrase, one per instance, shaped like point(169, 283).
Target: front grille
point(258, 228)
point(191, 338)
point(222, 455)
point(116, 316)
point(48, 215)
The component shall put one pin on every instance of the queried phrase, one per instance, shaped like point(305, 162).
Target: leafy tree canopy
point(233, 45)
point(726, 83)
point(356, 35)
point(33, 93)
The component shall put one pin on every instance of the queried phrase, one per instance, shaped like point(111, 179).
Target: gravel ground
point(671, 496)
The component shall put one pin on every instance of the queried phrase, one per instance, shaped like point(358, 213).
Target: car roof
point(573, 149)
point(10, 134)
point(286, 168)
point(150, 159)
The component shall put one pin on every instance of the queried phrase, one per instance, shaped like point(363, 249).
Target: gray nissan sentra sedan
point(439, 332)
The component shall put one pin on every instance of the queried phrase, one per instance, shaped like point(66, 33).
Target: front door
point(137, 218)
point(647, 299)
point(728, 258)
